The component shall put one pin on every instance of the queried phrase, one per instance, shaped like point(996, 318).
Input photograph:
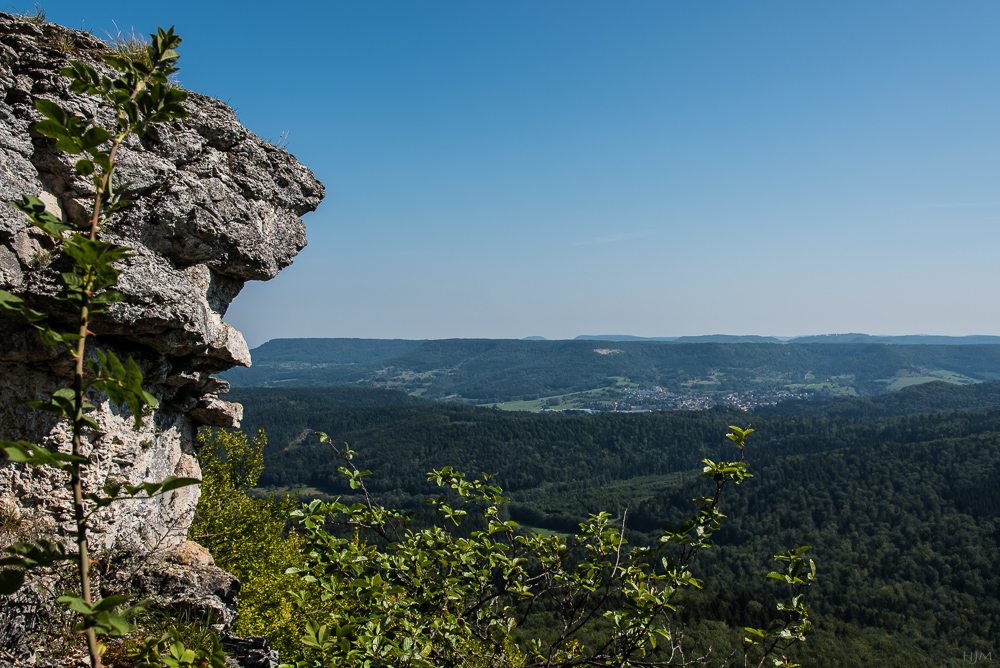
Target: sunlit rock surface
point(215, 206)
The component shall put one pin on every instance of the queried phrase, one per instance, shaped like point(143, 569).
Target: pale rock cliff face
point(215, 207)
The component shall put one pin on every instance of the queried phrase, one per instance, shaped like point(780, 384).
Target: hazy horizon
point(578, 337)
point(516, 169)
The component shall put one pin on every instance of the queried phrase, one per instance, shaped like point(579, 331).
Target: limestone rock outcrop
point(215, 206)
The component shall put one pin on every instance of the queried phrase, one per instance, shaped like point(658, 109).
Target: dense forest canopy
point(897, 495)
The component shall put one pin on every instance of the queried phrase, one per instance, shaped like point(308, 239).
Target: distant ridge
point(623, 337)
point(906, 339)
point(332, 351)
point(727, 338)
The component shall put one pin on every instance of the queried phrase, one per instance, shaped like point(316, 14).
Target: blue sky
point(554, 168)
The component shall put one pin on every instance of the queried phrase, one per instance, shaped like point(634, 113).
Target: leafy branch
point(139, 96)
point(445, 595)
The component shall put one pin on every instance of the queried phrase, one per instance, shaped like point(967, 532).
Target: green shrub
point(462, 590)
point(247, 537)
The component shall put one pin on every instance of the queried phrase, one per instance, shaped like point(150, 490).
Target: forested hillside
point(929, 397)
point(898, 500)
point(321, 352)
point(486, 371)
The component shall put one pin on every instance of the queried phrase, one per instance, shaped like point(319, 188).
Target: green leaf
point(84, 167)
point(47, 406)
point(76, 604)
point(113, 624)
point(166, 485)
point(9, 302)
point(52, 129)
point(41, 553)
point(35, 455)
point(171, 483)
point(94, 137)
point(150, 399)
point(107, 297)
point(68, 145)
point(110, 603)
point(10, 581)
point(65, 393)
point(119, 63)
point(117, 368)
point(133, 377)
point(51, 110)
point(40, 218)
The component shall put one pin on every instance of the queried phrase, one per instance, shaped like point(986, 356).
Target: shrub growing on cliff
point(86, 275)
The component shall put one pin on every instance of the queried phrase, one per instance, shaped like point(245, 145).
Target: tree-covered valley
point(895, 493)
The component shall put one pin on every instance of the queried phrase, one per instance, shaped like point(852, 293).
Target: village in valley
point(639, 400)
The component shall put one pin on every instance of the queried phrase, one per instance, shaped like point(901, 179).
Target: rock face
point(214, 207)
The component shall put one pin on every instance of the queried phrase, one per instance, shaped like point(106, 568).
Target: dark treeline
point(402, 437)
point(924, 398)
point(332, 351)
point(902, 510)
